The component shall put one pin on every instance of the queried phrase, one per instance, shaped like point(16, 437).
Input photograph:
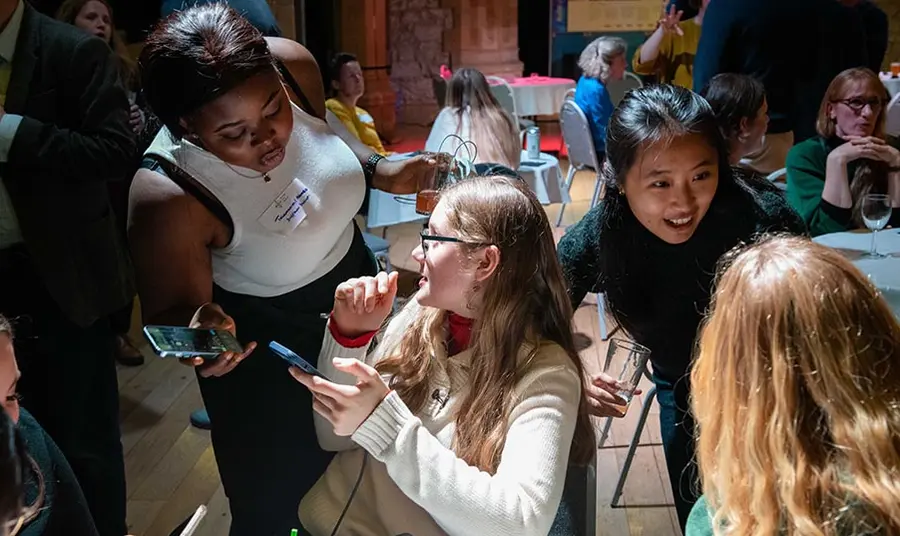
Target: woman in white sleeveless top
point(242, 218)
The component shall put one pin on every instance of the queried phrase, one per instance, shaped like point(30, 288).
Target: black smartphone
point(291, 357)
point(181, 342)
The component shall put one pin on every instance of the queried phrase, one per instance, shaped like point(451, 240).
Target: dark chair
point(577, 513)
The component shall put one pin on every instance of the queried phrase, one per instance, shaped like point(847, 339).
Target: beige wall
point(284, 14)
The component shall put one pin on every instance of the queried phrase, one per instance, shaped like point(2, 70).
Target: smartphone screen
point(173, 341)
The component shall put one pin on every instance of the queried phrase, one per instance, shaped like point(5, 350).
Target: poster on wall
point(612, 15)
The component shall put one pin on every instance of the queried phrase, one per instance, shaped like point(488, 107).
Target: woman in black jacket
point(672, 208)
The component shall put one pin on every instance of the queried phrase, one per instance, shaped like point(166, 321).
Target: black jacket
point(74, 137)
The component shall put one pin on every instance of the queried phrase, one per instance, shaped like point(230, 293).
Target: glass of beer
point(634, 358)
point(895, 69)
point(431, 183)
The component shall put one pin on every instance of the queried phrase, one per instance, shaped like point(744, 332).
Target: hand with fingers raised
point(211, 316)
point(361, 305)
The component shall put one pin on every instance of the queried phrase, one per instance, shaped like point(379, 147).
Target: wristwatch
point(369, 167)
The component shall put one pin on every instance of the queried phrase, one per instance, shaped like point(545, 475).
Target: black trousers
point(262, 419)
point(69, 384)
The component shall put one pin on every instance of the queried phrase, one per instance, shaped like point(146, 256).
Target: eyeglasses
point(425, 237)
point(857, 104)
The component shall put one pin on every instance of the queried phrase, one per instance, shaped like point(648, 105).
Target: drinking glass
point(634, 358)
point(895, 69)
point(431, 183)
point(876, 211)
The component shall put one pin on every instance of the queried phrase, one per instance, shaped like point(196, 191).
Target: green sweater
point(805, 181)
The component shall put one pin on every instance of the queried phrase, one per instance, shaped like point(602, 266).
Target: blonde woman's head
point(796, 393)
point(604, 59)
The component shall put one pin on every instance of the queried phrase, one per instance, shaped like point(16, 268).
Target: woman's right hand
point(211, 316)
point(362, 304)
point(602, 398)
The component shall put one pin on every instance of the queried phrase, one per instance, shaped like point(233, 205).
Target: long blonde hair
point(870, 175)
point(796, 394)
point(490, 126)
point(524, 302)
point(69, 11)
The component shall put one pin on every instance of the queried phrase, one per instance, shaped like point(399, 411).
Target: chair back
point(576, 134)
point(618, 88)
point(892, 119)
point(503, 92)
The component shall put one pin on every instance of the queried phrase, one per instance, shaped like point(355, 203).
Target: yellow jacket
point(359, 123)
point(675, 62)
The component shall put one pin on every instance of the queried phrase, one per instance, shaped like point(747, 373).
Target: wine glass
point(876, 211)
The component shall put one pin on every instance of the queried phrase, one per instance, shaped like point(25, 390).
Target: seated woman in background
point(473, 114)
point(829, 175)
point(482, 406)
point(739, 103)
point(672, 208)
point(601, 61)
point(805, 376)
point(669, 51)
point(49, 499)
point(347, 86)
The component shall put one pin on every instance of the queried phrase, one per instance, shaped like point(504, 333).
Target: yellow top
point(675, 62)
point(360, 124)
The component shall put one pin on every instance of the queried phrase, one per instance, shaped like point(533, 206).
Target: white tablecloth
point(540, 95)
point(885, 272)
point(389, 209)
point(546, 179)
point(892, 84)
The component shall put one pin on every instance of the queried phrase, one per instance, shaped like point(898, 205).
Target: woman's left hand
point(887, 154)
point(346, 407)
point(403, 176)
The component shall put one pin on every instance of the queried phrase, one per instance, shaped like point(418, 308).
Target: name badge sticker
point(286, 211)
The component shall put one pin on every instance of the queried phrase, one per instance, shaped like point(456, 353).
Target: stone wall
point(416, 50)
point(892, 8)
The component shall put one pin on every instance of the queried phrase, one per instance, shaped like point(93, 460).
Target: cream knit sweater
point(413, 481)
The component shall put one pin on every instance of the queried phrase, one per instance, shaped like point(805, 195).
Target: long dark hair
point(647, 117)
point(734, 97)
point(196, 55)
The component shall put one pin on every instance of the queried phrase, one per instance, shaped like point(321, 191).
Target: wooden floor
point(170, 466)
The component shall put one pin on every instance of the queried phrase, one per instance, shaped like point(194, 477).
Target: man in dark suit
point(64, 133)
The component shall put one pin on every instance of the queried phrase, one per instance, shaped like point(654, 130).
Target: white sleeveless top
point(322, 175)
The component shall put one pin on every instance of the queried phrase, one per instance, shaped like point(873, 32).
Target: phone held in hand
point(291, 357)
point(185, 343)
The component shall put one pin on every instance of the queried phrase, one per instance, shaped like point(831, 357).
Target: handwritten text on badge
point(286, 211)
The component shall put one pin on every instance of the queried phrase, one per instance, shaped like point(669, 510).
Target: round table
point(883, 272)
point(540, 95)
point(892, 84)
point(545, 178)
